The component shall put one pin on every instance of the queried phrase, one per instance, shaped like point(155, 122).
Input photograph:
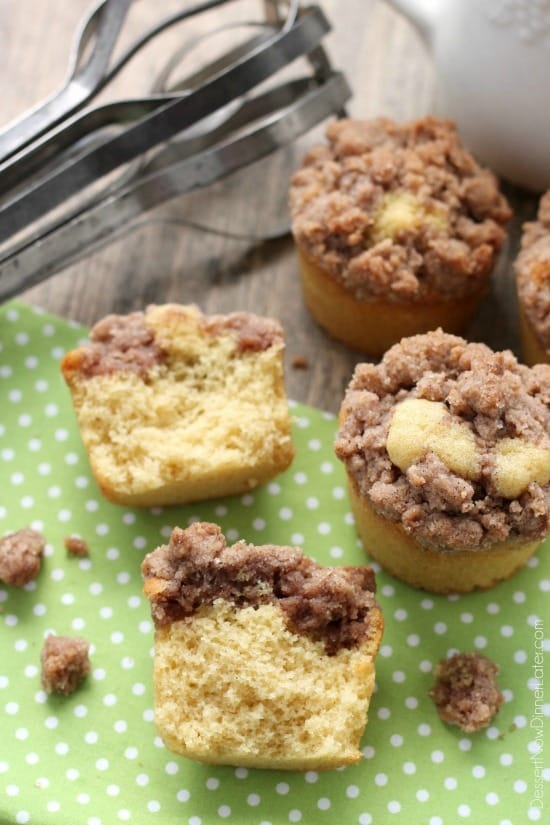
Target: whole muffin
point(446, 446)
point(397, 230)
point(533, 286)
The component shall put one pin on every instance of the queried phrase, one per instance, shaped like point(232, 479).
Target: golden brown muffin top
point(398, 211)
point(452, 440)
point(533, 272)
point(332, 604)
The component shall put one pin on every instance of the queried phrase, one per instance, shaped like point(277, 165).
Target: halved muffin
point(263, 657)
point(175, 406)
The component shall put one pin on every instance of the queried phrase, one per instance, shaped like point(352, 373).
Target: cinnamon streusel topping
point(495, 486)
point(197, 567)
point(132, 343)
point(398, 211)
point(466, 692)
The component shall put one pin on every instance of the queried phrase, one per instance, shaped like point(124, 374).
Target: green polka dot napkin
point(94, 758)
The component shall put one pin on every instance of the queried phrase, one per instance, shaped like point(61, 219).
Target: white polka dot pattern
point(94, 758)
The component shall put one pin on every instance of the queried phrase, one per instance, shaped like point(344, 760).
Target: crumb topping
point(120, 343)
point(505, 408)
point(466, 692)
point(253, 332)
point(76, 546)
point(134, 343)
point(65, 663)
point(399, 211)
point(533, 272)
point(197, 567)
point(20, 556)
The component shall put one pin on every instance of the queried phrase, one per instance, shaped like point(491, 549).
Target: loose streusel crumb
point(466, 692)
point(20, 556)
point(299, 362)
point(65, 663)
point(76, 546)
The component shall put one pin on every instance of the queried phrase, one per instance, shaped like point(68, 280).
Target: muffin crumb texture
point(452, 441)
point(398, 211)
point(65, 663)
point(466, 692)
point(20, 556)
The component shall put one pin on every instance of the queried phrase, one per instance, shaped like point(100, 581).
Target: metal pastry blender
point(74, 176)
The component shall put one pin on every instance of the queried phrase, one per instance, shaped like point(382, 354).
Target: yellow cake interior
point(235, 686)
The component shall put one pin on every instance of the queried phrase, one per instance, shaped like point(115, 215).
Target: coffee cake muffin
point(397, 230)
point(175, 406)
point(446, 446)
point(533, 286)
point(263, 658)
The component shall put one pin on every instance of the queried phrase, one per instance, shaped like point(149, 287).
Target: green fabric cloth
point(93, 758)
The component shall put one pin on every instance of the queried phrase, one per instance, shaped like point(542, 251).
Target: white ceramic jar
point(492, 60)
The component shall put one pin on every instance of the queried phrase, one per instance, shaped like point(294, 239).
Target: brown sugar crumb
point(65, 663)
point(76, 546)
point(121, 343)
point(332, 604)
point(252, 332)
point(466, 692)
point(20, 556)
point(299, 362)
point(401, 211)
point(129, 343)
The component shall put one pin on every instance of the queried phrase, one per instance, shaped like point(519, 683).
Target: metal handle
point(103, 24)
point(172, 118)
point(88, 73)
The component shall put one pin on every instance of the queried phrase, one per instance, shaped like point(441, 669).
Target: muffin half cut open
point(175, 406)
point(263, 658)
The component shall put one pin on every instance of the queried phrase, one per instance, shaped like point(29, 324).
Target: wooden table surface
point(165, 259)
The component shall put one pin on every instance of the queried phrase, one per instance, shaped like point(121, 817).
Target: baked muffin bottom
point(532, 350)
point(374, 326)
point(459, 571)
point(234, 686)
